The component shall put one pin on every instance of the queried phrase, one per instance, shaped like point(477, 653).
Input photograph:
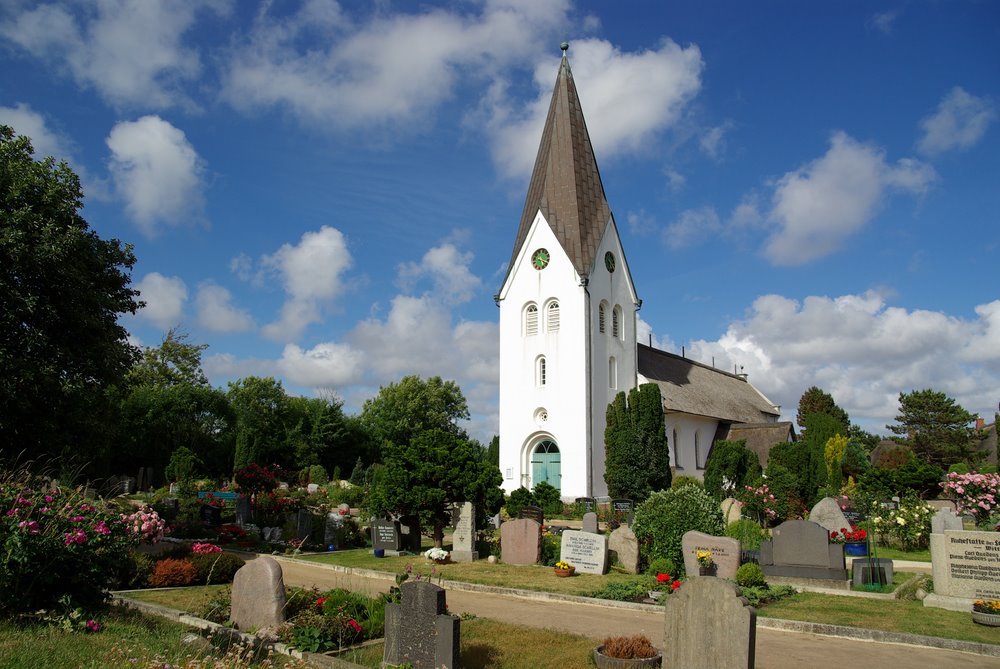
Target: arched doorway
point(545, 465)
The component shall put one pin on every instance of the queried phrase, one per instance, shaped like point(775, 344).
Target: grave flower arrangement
point(436, 554)
point(907, 527)
point(666, 583)
point(854, 534)
point(704, 558)
point(987, 606)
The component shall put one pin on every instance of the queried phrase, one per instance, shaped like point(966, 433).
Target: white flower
point(901, 520)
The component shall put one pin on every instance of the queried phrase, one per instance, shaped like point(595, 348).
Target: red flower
point(353, 624)
point(320, 602)
point(663, 578)
point(675, 585)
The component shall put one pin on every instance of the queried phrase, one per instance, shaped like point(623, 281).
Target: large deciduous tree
point(62, 291)
point(936, 428)
point(401, 411)
point(637, 455)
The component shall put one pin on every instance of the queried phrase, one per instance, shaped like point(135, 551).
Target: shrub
point(254, 478)
point(661, 566)
point(546, 497)
point(959, 468)
point(215, 568)
point(908, 527)
point(748, 532)
point(551, 547)
point(183, 464)
point(750, 575)
point(628, 647)
point(730, 467)
point(318, 475)
point(662, 520)
point(519, 499)
point(137, 571)
point(622, 591)
point(685, 480)
point(975, 494)
point(170, 573)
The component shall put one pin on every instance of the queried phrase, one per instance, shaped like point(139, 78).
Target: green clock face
point(609, 261)
point(540, 259)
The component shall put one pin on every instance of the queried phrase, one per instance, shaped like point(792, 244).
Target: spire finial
point(564, 46)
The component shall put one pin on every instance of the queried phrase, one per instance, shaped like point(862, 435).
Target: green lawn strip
point(907, 617)
point(898, 579)
point(896, 554)
point(189, 600)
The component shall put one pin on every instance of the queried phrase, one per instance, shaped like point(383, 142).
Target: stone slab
point(966, 565)
point(946, 520)
point(419, 631)
point(732, 510)
point(625, 546)
point(708, 625)
point(385, 535)
point(586, 551)
point(827, 512)
point(463, 539)
point(258, 595)
point(801, 543)
point(725, 553)
point(590, 522)
point(520, 541)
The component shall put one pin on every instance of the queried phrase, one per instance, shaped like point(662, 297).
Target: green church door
point(545, 465)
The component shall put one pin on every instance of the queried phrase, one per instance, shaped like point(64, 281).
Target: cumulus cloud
point(883, 21)
point(129, 51)
point(164, 297)
point(448, 270)
point(692, 227)
point(216, 312)
point(327, 365)
point(960, 120)
point(380, 69)
point(713, 140)
point(30, 123)
point(817, 207)
point(311, 273)
point(863, 351)
point(658, 83)
point(157, 172)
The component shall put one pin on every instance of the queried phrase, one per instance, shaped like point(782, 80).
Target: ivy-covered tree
point(729, 468)
point(936, 428)
point(637, 455)
point(62, 292)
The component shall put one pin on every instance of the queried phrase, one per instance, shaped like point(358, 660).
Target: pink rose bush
point(975, 494)
point(146, 524)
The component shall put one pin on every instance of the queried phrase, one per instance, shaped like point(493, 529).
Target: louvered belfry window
point(552, 317)
point(531, 320)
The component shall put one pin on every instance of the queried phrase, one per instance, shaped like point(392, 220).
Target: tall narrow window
point(540, 371)
point(552, 317)
point(673, 451)
point(600, 318)
point(612, 372)
point(698, 461)
point(531, 320)
point(616, 322)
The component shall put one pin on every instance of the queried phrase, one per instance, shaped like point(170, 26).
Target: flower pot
point(442, 561)
point(604, 662)
point(991, 619)
point(562, 573)
point(656, 594)
point(710, 570)
point(856, 548)
point(380, 552)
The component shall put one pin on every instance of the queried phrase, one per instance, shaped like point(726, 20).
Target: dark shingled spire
point(565, 184)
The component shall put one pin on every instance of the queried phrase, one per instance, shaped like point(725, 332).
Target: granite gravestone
point(622, 510)
point(725, 553)
point(871, 570)
point(419, 631)
point(827, 512)
point(303, 524)
point(258, 595)
point(463, 539)
point(590, 522)
point(211, 515)
point(624, 546)
point(534, 513)
point(586, 551)
point(520, 541)
point(386, 536)
point(409, 530)
point(586, 504)
point(709, 626)
point(332, 530)
point(243, 510)
point(801, 549)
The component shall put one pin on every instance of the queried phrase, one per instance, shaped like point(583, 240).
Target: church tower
point(567, 314)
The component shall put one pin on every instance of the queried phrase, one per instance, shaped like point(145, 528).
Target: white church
point(568, 334)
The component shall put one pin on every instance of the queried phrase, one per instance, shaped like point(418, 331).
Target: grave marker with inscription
point(966, 567)
point(534, 513)
point(419, 631)
point(385, 535)
point(725, 553)
point(586, 551)
point(463, 540)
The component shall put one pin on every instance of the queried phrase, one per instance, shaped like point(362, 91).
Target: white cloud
point(157, 172)
point(129, 51)
point(384, 69)
point(693, 227)
point(448, 269)
point(818, 206)
point(658, 84)
point(640, 223)
point(883, 21)
point(713, 140)
point(326, 365)
point(311, 274)
point(164, 297)
point(862, 351)
point(675, 180)
point(30, 123)
point(217, 314)
point(959, 122)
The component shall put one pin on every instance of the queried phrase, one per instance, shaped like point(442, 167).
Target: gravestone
point(827, 512)
point(334, 523)
point(303, 524)
point(590, 522)
point(463, 539)
point(853, 514)
point(586, 551)
point(625, 546)
point(965, 567)
point(938, 504)
point(128, 485)
point(520, 541)
point(385, 535)
point(623, 510)
point(258, 595)
point(174, 487)
point(801, 549)
point(534, 513)
point(709, 626)
point(171, 507)
point(243, 510)
point(732, 510)
point(211, 515)
point(419, 631)
point(312, 487)
point(409, 530)
point(871, 570)
point(586, 504)
point(725, 553)
point(945, 520)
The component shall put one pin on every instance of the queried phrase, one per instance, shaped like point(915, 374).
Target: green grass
point(190, 600)
point(898, 579)
point(909, 617)
point(922, 555)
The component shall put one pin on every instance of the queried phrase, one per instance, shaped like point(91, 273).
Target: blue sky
point(328, 192)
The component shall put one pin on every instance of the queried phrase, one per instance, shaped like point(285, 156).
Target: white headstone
point(586, 551)
point(463, 540)
point(966, 567)
point(732, 510)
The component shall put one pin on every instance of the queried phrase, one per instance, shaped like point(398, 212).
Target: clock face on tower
point(540, 259)
point(609, 261)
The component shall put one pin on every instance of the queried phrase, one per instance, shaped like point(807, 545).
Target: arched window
point(601, 318)
point(612, 372)
point(540, 371)
point(616, 317)
point(552, 317)
point(531, 320)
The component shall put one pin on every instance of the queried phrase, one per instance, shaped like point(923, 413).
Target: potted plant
point(706, 563)
point(626, 652)
point(564, 569)
point(986, 612)
point(855, 541)
point(665, 584)
point(438, 555)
